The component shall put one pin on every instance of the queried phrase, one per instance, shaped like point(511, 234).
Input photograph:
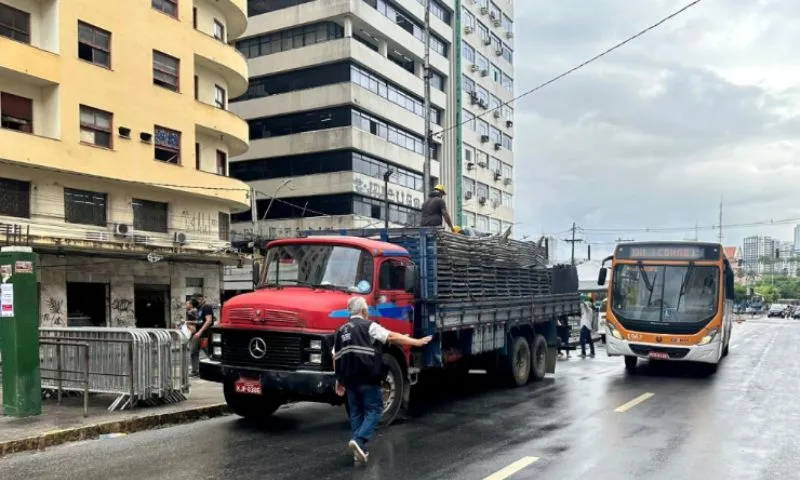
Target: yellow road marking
point(636, 401)
point(512, 469)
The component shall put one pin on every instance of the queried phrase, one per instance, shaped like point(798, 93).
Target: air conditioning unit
point(497, 146)
point(497, 175)
point(495, 203)
point(483, 103)
point(473, 67)
point(487, 41)
point(482, 164)
point(484, 10)
point(473, 99)
point(509, 123)
point(484, 138)
point(484, 73)
point(498, 52)
point(468, 194)
point(493, 16)
point(506, 181)
point(509, 34)
point(180, 238)
point(496, 114)
point(470, 165)
point(497, 23)
point(122, 230)
point(468, 29)
point(482, 200)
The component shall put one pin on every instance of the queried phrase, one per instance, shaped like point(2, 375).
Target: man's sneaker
point(592, 355)
point(583, 355)
point(358, 453)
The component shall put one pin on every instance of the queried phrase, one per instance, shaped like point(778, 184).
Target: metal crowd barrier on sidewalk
point(61, 374)
point(138, 365)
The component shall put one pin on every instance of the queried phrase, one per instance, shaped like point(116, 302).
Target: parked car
point(777, 310)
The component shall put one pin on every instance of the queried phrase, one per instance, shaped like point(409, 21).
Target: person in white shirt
point(587, 315)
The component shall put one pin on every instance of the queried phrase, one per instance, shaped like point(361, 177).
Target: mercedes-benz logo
point(258, 348)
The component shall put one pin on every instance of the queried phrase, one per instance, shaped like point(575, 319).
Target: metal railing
point(61, 375)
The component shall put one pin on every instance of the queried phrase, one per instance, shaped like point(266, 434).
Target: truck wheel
point(538, 357)
point(630, 364)
point(519, 362)
point(257, 408)
point(393, 385)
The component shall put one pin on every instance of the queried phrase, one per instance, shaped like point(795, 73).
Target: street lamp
point(272, 199)
point(386, 176)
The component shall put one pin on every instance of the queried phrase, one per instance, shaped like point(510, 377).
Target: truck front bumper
point(294, 385)
point(684, 353)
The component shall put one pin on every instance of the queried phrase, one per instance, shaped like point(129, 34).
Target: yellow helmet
point(456, 229)
point(439, 187)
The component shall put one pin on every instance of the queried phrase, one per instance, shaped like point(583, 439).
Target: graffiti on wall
point(54, 312)
point(200, 222)
point(122, 314)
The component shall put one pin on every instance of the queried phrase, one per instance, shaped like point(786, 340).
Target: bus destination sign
point(667, 252)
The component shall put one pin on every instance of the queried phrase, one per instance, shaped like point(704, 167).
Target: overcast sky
point(652, 134)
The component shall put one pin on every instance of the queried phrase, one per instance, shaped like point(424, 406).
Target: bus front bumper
point(709, 353)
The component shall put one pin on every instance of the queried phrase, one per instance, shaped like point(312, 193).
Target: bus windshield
point(665, 294)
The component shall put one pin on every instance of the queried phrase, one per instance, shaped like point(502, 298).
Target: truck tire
point(630, 364)
point(538, 357)
point(257, 408)
point(393, 387)
point(519, 362)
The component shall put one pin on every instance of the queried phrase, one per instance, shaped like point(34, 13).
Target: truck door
point(394, 304)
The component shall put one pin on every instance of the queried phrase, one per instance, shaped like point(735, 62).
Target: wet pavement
point(591, 419)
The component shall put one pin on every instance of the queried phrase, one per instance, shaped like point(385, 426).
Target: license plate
point(248, 387)
point(659, 356)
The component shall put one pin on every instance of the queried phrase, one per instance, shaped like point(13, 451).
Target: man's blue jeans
point(366, 409)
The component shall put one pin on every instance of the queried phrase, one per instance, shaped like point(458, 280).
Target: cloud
point(655, 133)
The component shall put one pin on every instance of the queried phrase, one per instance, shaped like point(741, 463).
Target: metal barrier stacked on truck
point(138, 365)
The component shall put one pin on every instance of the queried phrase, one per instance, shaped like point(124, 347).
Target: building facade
point(759, 254)
point(114, 145)
point(336, 99)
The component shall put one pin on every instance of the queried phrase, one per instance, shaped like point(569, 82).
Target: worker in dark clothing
point(434, 210)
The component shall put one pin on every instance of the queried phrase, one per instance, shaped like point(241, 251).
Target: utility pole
point(573, 241)
point(426, 74)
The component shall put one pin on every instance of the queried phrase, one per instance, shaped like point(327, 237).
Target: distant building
point(758, 254)
point(797, 238)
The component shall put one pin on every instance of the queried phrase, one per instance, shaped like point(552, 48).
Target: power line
point(573, 69)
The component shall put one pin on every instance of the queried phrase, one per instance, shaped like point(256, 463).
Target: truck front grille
point(284, 351)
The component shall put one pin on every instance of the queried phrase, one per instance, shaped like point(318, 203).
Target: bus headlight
point(613, 330)
point(315, 345)
point(709, 337)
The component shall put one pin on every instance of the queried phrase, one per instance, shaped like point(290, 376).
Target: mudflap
point(405, 414)
point(552, 353)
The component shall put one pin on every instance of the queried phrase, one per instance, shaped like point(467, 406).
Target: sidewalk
point(63, 423)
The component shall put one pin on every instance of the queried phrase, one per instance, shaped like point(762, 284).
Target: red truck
point(273, 345)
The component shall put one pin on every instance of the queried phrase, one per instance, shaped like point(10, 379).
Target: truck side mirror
point(256, 273)
point(411, 279)
point(601, 277)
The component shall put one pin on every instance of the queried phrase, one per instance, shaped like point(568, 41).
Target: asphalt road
point(673, 422)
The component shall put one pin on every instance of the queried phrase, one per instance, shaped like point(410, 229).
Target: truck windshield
point(665, 294)
point(319, 266)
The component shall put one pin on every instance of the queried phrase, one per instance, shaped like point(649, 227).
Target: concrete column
point(348, 27)
point(383, 48)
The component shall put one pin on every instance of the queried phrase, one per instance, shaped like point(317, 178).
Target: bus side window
point(729, 282)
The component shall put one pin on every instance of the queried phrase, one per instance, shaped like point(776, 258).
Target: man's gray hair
point(356, 305)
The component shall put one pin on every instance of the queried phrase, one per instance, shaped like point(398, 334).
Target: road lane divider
point(636, 401)
point(515, 467)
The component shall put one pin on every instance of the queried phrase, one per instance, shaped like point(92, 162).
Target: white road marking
point(512, 469)
point(636, 401)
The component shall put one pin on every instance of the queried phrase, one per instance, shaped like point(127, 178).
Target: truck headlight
point(315, 358)
point(217, 351)
point(216, 338)
point(315, 345)
point(709, 337)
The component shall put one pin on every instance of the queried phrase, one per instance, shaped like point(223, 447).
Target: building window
point(220, 97)
point(196, 87)
point(507, 142)
point(194, 17)
point(219, 30)
point(388, 132)
point(15, 198)
point(375, 168)
point(16, 113)
point(508, 54)
point(166, 71)
point(222, 163)
point(84, 207)
point(94, 45)
point(170, 7)
point(396, 95)
point(197, 156)
point(468, 52)
point(168, 145)
point(293, 123)
point(15, 24)
point(405, 22)
point(96, 126)
point(508, 200)
point(437, 81)
point(469, 119)
point(149, 216)
point(290, 39)
point(257, 7)
point(224, 226)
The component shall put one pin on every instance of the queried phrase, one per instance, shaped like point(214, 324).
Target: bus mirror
point(256, 273)
point(601, 278)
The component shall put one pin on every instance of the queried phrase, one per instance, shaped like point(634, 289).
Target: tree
point(739, 293)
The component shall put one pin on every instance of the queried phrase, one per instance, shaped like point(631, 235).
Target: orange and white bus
point(670, 301)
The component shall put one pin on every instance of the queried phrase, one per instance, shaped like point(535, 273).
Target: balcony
point(235, 12)
point(28, 64)
point(221, 58)
point(216, 122)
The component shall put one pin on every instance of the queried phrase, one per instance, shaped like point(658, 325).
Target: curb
point(131, 425)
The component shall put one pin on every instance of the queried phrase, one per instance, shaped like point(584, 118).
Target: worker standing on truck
point(434, 210)
point(587, 314)
point(358, 363)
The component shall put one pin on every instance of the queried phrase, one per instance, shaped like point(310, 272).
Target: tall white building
point(758, 254)
point(336, 99)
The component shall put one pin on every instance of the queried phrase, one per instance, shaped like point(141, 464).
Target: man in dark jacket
point(358, 362)
point(434, 210)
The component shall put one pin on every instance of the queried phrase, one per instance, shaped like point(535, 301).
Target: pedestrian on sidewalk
point(358, 363)
point(587, 317)
point(204, 318)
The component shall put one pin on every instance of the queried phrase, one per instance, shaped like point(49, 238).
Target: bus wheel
point(630, 364)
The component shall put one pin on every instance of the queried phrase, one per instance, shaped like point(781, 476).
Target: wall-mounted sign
point(23, 266)
point(7, 300)
point(374, 189)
